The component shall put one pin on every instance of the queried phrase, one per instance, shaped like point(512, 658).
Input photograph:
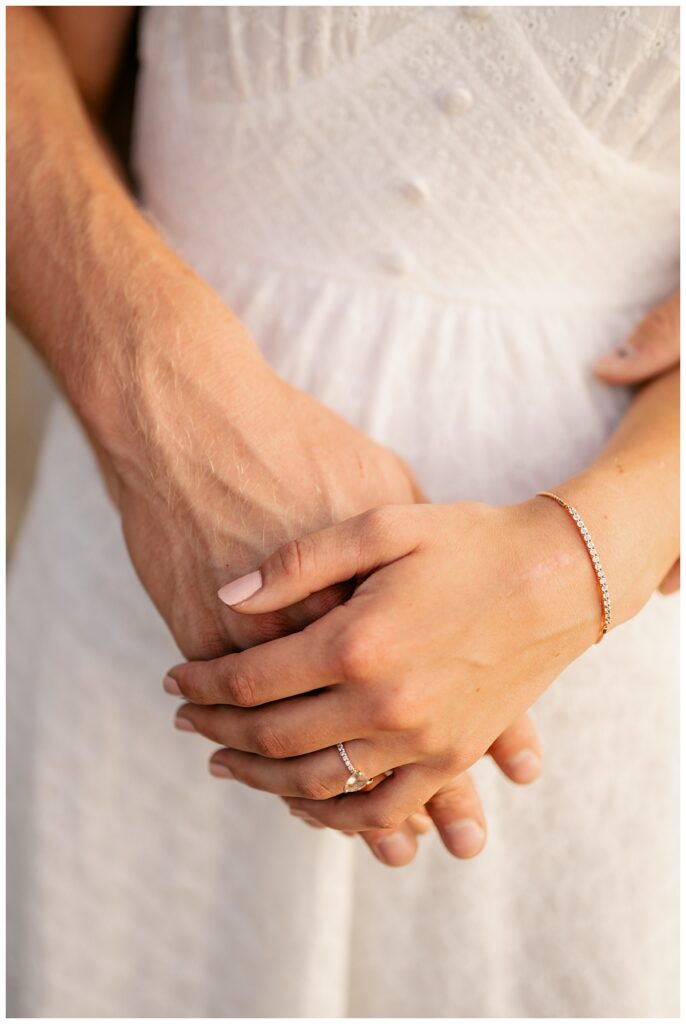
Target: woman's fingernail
point(421, 822)
point(395, 850)
point(524, 766)
point(240, 589)
point(221, 771)
point(171, 686)
point(184, 724)
point(466, 837)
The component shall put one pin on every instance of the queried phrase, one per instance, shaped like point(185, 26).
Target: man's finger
point(517, 751)
point(459, 817)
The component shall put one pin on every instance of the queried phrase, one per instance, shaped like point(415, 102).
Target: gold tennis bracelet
point(590, 547)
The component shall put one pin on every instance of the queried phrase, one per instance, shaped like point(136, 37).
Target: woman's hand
point(455, 809)
point(466, 613)
point(652, 349)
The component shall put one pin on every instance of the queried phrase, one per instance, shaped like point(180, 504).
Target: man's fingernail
point(297, 813)
point(395, 850)
point(171, 686)
point(184, 724)
point(466, 837)
point(221, 771)
point(422, 822)
point(240, 589)
point(524, 766)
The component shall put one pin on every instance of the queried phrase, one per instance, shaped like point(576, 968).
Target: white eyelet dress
point(434, 220)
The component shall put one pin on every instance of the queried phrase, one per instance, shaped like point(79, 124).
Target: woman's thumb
point(309, 564)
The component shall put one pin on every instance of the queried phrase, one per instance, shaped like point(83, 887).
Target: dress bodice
point(522, 154)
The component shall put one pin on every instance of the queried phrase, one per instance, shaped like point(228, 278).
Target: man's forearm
point(88, 277)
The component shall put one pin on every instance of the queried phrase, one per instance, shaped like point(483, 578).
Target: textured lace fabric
point(434, 220)
point(473, 156)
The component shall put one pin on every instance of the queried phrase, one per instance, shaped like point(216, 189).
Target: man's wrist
point(169, 353)
point(146, 331)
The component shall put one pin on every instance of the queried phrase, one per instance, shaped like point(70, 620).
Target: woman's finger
point(291, 665)
point(317, 776)
point(517, 751)
point(651, 349)
point(287, 728)
point(387, 807)
point(303, 566)
point(394, 848)
point(459, 817)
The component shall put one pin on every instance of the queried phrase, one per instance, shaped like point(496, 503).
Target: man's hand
point(210, 458)
point(220, 463)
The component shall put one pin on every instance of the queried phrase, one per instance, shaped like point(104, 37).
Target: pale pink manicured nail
point(524, 766)
point(171, 686)
point(221, 771)
point(466, 837)
point(240, 589)
point(184, 724)
point(395, 850)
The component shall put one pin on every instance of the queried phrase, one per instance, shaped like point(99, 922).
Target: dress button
point(479, 13)
point(456, 102)
point(415, 190)
point(396, 261)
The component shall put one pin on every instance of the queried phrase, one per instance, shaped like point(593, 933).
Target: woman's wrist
point(554, 578)
point(629, 501)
